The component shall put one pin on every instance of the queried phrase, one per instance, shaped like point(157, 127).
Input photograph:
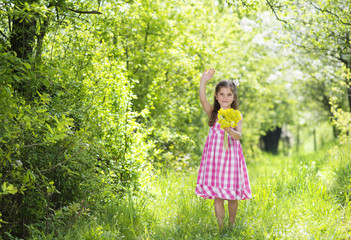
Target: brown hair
point(235, 104)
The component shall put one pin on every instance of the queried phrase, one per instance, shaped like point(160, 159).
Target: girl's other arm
point(237, 131)
point(206, 76)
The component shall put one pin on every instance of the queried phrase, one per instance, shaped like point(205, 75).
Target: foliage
point(341, 155)
point(39, 146)
point(341, 118)
point(318, 32)
point(320, 28)
point(63, 130)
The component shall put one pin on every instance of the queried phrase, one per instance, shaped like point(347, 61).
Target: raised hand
point(207, 75)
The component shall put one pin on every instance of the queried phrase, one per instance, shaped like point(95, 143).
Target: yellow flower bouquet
point(228, 118)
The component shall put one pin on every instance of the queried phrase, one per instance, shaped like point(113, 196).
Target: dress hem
point(209, 192)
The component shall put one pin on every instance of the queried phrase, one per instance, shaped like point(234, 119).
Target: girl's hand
point(228, 129)
point(207, 75)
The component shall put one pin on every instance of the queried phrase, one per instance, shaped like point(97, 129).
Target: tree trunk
point(271, 140)
point(298, 139)
point(43, 29)
point(348, 81)
point(349, 95)
point(22, 37)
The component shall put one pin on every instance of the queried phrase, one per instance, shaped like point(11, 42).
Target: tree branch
point(3, 34)
point(244, 3)
point(330, 12)
point(332, 52)
point(83, 12)
point(60, 163)
point(275, 13)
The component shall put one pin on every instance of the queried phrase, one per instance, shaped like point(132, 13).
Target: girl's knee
point(219, 200)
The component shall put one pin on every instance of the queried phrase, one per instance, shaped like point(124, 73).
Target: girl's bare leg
point(232, 209)
point(220, 212)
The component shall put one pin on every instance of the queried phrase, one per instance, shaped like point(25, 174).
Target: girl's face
point(225, 97)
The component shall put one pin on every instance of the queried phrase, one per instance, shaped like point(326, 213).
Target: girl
point(222, 174)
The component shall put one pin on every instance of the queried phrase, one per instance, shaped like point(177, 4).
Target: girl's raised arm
point(206, 76)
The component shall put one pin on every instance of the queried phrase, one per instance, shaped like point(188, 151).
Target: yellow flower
point(228, 117)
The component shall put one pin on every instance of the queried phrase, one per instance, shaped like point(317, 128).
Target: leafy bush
point(43, 157)
point(341, 156)
point(62, 143)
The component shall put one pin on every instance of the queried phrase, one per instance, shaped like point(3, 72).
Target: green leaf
point(8, 189)
point(27, 65)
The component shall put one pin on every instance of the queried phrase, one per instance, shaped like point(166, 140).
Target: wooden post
point(314, 139)
point(298, 138)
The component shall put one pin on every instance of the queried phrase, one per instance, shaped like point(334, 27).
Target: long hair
point(235, 104)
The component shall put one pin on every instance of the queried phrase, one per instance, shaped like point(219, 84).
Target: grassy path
point(291, 201)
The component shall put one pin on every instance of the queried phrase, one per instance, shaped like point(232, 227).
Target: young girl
point(222, 174)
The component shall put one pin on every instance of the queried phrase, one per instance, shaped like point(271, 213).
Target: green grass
point(292, 199)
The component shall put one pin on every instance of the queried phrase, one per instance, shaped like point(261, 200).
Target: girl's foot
point(220, 225)
point(231, 224)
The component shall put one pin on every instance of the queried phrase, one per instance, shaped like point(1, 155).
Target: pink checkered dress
point(222, 173)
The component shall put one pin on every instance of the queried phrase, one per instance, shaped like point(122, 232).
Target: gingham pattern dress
point(222, 173)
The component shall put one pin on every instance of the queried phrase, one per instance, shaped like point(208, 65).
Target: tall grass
point(292, 199)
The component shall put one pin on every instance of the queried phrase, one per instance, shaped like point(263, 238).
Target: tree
point(317, 30)
point(321, 27)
